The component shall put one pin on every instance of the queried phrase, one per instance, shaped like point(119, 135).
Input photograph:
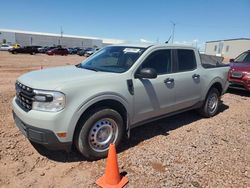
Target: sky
point(196, 21)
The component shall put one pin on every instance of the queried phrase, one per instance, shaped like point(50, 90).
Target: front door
point(154, 97)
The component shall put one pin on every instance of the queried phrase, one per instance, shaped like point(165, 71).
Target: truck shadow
point(242, 93)
point(138, 135)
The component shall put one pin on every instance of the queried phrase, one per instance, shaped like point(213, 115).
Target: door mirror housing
point(231, 60)
point(146, 73)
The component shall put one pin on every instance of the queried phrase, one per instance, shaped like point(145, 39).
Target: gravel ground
point(181, 151)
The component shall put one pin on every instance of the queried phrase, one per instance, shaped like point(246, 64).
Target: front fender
point(91, 101)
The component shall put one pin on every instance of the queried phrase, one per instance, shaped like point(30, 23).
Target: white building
point(229, 48)
point(27, 38)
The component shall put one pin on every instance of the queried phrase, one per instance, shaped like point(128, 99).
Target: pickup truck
point(98, 102)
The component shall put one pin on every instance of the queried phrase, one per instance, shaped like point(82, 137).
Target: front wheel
point(211, 104)
point(96, 131)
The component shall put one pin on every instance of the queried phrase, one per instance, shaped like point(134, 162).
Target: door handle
point(169, 81)
point(196, 76)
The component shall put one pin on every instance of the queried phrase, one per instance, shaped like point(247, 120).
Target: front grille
point(24, 96)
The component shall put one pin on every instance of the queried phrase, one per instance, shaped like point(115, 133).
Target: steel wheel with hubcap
point(104, 132)
point(213, 101)
point(211, 104)
point(96, 130)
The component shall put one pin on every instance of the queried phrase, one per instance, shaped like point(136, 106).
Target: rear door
point(186, 78)
point(154, 97)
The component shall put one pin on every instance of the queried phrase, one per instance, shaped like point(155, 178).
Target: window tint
point(186, 60)
point(160, 61)
point(242, 57)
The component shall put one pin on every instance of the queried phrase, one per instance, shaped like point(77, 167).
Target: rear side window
point(159, 60)
point(186, 60)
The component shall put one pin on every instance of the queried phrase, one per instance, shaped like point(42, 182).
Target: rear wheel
point(96, 131)
point(211, 104)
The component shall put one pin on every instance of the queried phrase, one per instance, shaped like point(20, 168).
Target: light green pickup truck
point(98, 101)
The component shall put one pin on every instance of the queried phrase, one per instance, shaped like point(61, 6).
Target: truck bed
point(210, 61)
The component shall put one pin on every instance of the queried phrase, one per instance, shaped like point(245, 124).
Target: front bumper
point(242, 84)
point(42, 127)
point(41, 136)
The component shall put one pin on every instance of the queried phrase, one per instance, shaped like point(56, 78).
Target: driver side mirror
point(231, 60)
point(146, 73)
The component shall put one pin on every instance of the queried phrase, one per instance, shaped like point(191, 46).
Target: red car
point(58, 51)
point(239, 73)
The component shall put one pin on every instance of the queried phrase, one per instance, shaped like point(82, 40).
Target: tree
point(4, 41)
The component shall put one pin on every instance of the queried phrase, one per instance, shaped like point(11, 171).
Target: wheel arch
point(216, 83)
point(115, 104)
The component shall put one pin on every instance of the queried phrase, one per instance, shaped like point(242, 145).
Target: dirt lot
point(181, 151)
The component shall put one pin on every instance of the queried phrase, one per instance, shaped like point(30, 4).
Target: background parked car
point(26, 49)
point(40, 50)
point(58, 51)
point(239, 74)
point(90, 52)
point(82, 52)
point(75, 50)
point(16, 45)
point(5, 47)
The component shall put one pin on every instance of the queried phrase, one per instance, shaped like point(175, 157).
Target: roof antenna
point(168, 39)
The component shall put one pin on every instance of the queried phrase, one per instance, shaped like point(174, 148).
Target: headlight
point(248, 75)
point(48, 101)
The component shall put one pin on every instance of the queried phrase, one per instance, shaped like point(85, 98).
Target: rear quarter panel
point(212, 76)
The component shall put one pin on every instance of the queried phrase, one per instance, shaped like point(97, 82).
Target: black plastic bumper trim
point(41, 136)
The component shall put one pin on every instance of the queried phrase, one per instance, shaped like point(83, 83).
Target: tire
point(96, 131)
point(211, 104)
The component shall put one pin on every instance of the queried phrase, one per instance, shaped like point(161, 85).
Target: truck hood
point(243, 67)
point(53, 78)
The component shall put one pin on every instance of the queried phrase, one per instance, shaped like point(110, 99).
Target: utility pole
point(61, 31)
point(173, 23)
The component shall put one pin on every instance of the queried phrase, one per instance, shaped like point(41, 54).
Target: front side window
point(244, 57)
point(159, 60)
point(115, 59)
point(186, 60)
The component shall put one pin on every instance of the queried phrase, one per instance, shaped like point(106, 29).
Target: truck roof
point(147, 45)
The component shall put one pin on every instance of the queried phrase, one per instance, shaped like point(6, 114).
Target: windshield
point(244, 57)
point(115, 59)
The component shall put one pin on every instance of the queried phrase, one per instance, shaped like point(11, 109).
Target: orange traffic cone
point(112, 177)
